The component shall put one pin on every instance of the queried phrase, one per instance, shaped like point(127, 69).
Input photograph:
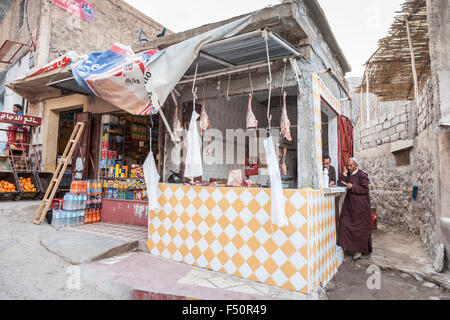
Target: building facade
point(48, 29)
point(402, 138)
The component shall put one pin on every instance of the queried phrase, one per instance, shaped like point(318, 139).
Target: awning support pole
point(413, 60)
point(269, 81)
point(163, 117)
point(367, 97)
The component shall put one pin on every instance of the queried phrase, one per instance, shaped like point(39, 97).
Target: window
point(21, 14)
point(330, 143)
point(402, 158)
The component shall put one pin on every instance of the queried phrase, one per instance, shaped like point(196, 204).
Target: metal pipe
point(232, 39)
point(217, 60)
point(283, 43)
point(59, 81)
point(225, 73)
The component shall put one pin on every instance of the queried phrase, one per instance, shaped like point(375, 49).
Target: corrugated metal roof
point(240, 51)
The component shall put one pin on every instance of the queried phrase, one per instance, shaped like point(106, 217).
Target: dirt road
point(27, 269)
point(351, 284)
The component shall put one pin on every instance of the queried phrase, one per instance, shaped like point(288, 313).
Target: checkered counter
point(229, 230)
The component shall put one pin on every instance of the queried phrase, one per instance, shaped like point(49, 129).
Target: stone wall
point(387, 128)
point(397, 122)
point(115, 22)
point(397, 209)
point(12, 29)
point(373, 143)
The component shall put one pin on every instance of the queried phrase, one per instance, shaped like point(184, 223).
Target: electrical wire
point(28, 24)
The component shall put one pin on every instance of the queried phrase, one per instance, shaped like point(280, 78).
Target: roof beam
point(216, 59)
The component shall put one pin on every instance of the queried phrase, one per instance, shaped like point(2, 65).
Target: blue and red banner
point(80, 8)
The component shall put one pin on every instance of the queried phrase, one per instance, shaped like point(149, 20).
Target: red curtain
point(345, 129)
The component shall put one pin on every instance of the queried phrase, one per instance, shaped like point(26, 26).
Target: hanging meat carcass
point(205, 123)
point(285, 123)
point(251, 119)
point(177, 127)
point(283, 166)
point(204, 120)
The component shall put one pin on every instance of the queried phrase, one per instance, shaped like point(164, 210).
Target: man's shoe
point(357, 256)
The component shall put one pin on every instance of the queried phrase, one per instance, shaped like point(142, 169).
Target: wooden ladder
point(59, 173)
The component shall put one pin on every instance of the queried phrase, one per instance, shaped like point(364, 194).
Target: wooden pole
point(362, 105)
point(376, 108)
point(367, 97)
point(413, 61)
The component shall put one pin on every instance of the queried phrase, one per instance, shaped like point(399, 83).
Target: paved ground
point(158, 275)
point(406, 272)
point(86, 243)
point(28, 270)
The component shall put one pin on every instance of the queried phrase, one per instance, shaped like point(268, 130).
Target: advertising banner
point(117, 76)
point(80, 8)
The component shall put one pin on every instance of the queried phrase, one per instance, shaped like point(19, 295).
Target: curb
point(147, 295)
point(437, 278)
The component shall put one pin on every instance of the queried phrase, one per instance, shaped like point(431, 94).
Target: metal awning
point(9, 50)
point(240, 51)
point(69, 84)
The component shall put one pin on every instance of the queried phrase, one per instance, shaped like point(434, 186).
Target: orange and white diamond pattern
point(322, 257)
point(229, 230)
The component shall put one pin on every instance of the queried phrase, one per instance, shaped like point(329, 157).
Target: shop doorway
point(65, 128)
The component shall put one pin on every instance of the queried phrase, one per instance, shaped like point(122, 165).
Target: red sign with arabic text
point(20, 119)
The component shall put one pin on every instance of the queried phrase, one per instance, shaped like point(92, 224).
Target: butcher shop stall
point(243, 190)
point(214, 139)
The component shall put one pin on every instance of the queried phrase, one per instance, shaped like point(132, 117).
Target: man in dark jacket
point(355, 229)
point(331, 170)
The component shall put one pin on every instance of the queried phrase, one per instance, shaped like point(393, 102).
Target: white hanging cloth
point(193, 166)
point(278, 212)
point(151, 180)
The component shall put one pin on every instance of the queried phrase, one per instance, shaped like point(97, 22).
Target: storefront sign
point(20, 119)
point(79, 8)
point(58, 63)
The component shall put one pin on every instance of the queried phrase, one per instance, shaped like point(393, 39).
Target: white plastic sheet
point(151, 180)
point(278, 212)
point(164, 73)
point(194, 166)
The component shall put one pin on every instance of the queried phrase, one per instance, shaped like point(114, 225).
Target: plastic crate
point(44, 179)
point(10, 177)
point(129, 195)
point(34, 181)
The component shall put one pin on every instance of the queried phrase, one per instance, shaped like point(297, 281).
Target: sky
point(356, 24)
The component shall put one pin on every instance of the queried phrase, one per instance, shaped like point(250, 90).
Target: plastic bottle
point(79, 217)
point(55, 219)
point(326, 178)
point(66, 203)
point(62, 218)
point(83, 202)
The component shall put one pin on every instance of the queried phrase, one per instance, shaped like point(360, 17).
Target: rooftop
point(389, 69)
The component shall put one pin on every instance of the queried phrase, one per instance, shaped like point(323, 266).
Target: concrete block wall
point(387, 128)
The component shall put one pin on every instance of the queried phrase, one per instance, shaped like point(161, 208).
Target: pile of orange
point(6, 187)
point(26, 185)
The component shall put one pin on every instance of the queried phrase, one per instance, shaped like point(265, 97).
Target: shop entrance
point(65, 129)
point(125, 142)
